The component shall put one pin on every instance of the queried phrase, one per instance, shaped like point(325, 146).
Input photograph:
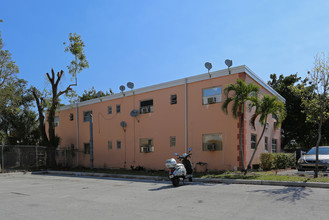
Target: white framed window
point(211, 95)
point(274, 146)
point(172, 141)
point(86, 116)
point(266, 143)
point(212, 142)
point(253, 139)
point(109, 110)
point(118, 144)
point(173, 99)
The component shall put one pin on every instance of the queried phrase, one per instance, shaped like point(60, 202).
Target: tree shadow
point(288, 194)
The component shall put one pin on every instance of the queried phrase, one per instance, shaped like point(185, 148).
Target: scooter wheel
point(175, 182)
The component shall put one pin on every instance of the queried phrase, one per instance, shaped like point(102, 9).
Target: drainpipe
point(185, 115)
point(77, 113)
point(91, 142)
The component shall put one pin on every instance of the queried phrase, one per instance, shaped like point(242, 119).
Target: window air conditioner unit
point(145, 109)
point(211, 147)
point(145, 149)
point(211, 100)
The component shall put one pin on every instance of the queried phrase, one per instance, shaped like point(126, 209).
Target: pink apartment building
point(146, 126)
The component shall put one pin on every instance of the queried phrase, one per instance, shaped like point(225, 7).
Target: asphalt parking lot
point(27, 196)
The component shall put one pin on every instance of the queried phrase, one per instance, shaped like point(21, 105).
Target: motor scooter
point(180, 171)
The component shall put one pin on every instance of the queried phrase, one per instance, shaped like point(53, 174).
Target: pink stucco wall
point(166, 120)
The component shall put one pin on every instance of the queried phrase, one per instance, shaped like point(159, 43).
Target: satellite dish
point(208, 66)
point(130, 85)
point(123, 124)
point(134, 113)
point(228, 63)
point(122, 88)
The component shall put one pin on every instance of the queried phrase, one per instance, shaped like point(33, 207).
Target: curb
point(200, 180)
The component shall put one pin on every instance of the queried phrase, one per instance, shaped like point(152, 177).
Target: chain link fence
point(22, 157)
point(70, 157)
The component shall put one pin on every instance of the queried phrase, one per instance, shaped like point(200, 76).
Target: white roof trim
point(191, 79)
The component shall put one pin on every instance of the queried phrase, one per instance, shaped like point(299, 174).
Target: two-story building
point(145, 126)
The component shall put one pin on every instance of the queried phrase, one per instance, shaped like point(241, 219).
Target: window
point(109, 110)
point(109, 145)
point(212, 142)
point(173, 99)
point(86, 149)
point(118, 144)
point(72, 147)
point(212, 95)
point(253, 141)
point(118, 108)
point(71, 117)
point(266, 143)
point(172, 141)
point(274, 150)
point(146, 145)
point(87, 115)
point(56, 121)
point(146, 106)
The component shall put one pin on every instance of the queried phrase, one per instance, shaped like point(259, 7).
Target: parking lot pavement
point(26, 196)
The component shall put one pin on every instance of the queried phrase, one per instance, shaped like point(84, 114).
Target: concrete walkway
point(201, 180)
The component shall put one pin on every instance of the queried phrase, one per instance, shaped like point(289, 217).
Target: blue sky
point(154, 41)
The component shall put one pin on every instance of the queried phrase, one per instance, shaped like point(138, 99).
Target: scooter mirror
point(176, 154)
point(190, 149)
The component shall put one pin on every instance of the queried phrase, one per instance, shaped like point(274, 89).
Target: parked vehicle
point(180, 171)
point(307, 161)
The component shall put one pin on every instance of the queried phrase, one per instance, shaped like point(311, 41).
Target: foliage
point(17, 119)
point(76, 48)
point(268, 105)
point(316, 106)
point(266, 161)
point(92, 94)
point(49, 105)
point(242, 93)
point(297, 133)
point(281, 161)
point(8, 67)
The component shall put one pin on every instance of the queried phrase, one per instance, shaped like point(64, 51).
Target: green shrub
point(283, 160)
point(292, 160)
point(266, 161)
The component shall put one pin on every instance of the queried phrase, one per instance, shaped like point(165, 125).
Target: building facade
point(144, 127)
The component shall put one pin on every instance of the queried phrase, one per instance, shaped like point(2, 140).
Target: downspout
point(186, 115)
point(91, 141)
point(77, 113)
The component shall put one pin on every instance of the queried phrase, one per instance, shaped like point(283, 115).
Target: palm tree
point(268, 105)
point(242, 93)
